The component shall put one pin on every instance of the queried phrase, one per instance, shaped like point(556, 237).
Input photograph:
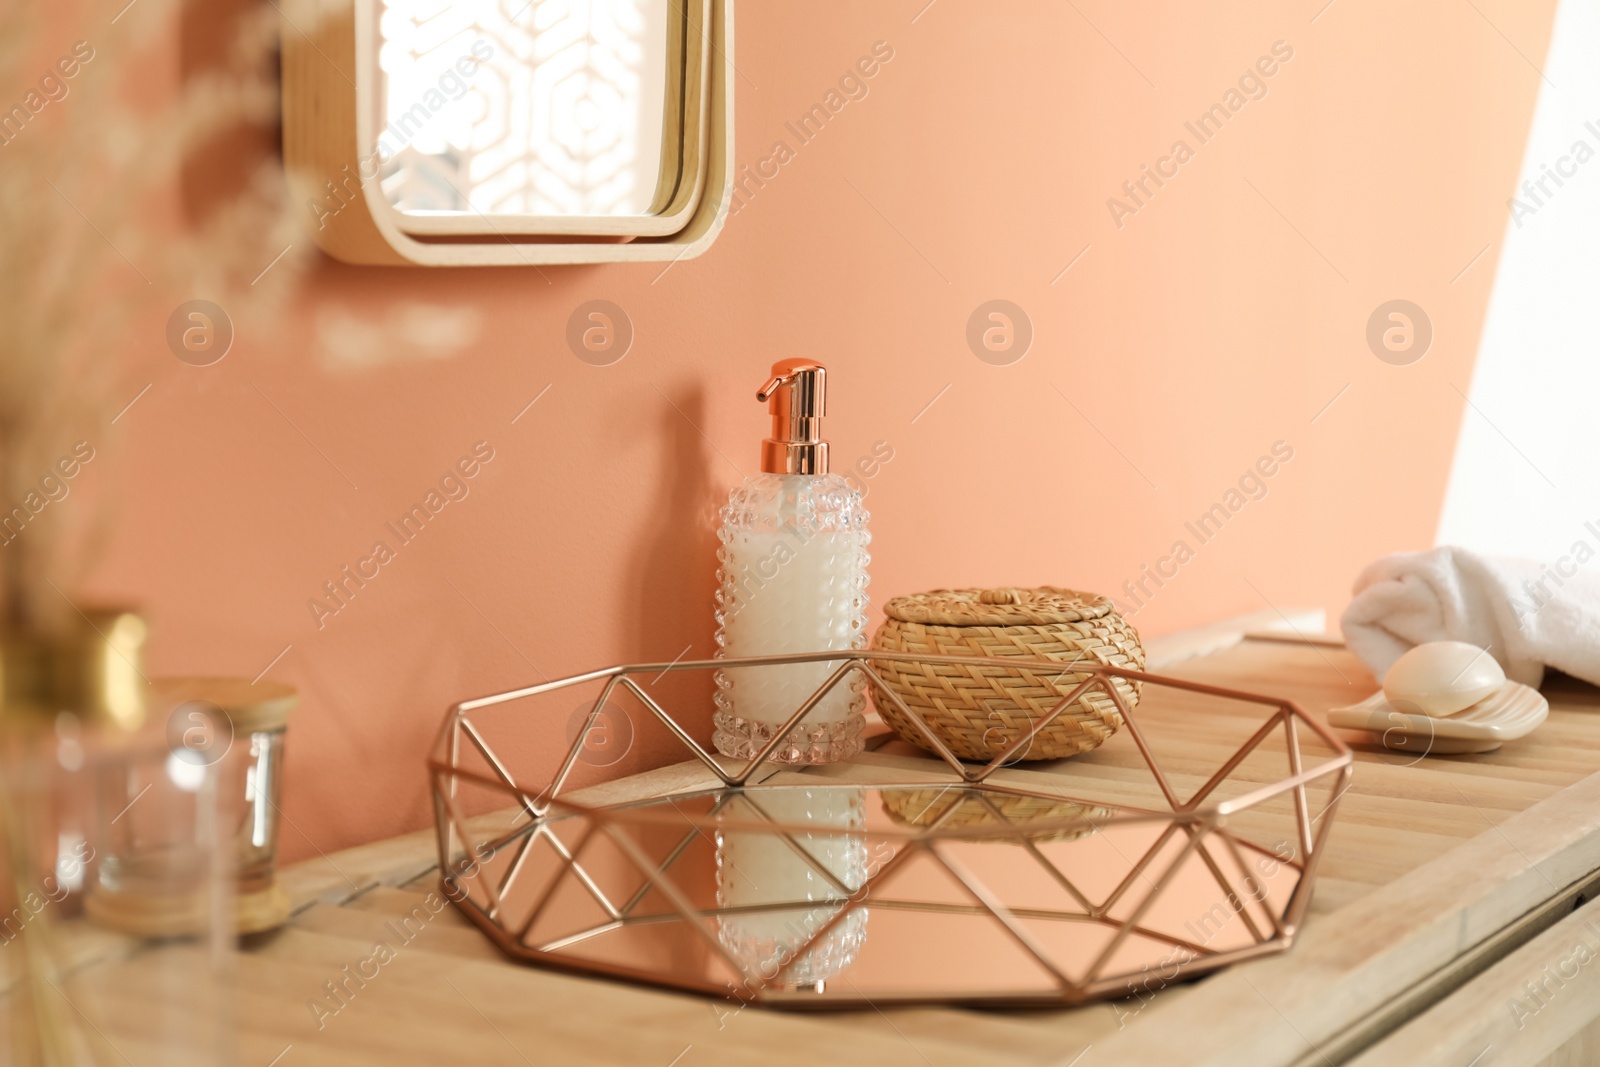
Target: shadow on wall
point(674, 576)
point(222, 168)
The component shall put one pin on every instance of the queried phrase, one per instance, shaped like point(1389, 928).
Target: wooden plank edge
point(1350, 964)
point(1525, 1006)
point(1488, 955)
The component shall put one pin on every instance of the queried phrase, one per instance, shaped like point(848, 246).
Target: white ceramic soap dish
point(1512, 711)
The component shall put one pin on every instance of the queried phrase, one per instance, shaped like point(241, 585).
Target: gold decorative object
point(978, 711)
point(99, 671)
point(892, 878)
point(94, 670)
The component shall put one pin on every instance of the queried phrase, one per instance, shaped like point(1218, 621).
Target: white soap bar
point(1441, 678)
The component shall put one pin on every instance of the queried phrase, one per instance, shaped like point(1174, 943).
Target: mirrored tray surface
point(894, 877)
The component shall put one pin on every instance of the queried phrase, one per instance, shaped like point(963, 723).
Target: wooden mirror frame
point(327, 116)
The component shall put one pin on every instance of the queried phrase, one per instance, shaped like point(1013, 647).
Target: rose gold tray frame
point(1194, 816)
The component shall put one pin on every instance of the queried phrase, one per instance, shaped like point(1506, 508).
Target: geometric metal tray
point(1188, 842)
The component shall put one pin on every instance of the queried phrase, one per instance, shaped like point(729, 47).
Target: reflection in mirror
point(830, 893)
point(533, 108)
point(776, 890)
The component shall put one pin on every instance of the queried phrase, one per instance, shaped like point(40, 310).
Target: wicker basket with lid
point(978, 711)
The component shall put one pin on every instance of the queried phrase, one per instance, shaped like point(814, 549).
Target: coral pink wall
point(1218, 319)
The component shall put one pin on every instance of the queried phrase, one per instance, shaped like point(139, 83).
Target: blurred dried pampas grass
point(94, 249)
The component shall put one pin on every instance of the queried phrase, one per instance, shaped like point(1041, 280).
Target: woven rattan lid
point(998, 607)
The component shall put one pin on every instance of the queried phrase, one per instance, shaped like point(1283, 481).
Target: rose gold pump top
point(795, 396)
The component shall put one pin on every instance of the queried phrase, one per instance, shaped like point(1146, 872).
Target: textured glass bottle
point(793, 578)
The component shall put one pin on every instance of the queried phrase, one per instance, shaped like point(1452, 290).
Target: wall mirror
point(499, 132)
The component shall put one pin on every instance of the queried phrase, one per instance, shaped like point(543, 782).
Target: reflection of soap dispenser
point(794, 579)
point(778, 890)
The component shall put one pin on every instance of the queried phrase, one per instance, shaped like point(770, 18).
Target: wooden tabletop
point(1434, 869)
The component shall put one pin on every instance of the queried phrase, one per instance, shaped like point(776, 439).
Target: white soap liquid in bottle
point(794, 576)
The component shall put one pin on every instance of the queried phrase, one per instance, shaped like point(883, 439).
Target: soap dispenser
point(793, 578)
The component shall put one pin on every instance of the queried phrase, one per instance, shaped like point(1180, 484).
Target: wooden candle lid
point(183, 915)
point(252, 707)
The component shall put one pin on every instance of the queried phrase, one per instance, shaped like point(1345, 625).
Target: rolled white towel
point(1528, 615)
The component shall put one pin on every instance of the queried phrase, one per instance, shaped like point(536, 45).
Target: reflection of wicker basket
point(925, 807)
point(978, 711)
